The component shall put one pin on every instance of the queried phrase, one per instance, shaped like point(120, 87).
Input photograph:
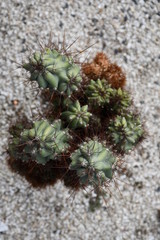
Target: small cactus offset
point(126, 130)
point(121, 100)
point(99, 92)
point(89, 118)
point(77, 116)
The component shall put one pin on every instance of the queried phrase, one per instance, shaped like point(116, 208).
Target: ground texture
point(128, 31)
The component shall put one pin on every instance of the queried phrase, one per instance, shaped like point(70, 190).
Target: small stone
point(158, 189)
point(3, 227)
point(158, 214)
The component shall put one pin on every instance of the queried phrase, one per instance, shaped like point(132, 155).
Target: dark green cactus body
point(76, 115)
point(43, 142)
point(126, 131)
point(93, 163)
point(50, 69)
point(121, 100)
point(99, 92)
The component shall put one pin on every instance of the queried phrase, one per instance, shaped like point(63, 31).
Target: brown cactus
point(92, 70)
point(102, 60)
point(115, 76)
point(102, 68)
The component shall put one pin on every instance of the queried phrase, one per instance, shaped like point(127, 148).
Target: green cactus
point(125, 130)
point(99, 92)
point(121, 100)
point(93, 163)
point(76, 115)
point(41, 143)
point(50, 69)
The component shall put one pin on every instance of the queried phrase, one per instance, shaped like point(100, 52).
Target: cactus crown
point(125, 131)
point(93, 162)
point(55, 71)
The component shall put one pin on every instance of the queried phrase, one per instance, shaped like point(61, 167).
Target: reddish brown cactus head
point(115, 76)
point(92, 70)
point(102, 60)
point(102, 68)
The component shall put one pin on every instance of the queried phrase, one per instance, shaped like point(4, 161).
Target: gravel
point(128, 31)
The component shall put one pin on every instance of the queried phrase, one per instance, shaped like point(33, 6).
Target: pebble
point(3, 227)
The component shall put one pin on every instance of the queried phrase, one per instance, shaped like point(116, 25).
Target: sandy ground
point(128, 31)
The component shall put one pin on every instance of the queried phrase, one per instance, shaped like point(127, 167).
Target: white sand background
point(129, 32)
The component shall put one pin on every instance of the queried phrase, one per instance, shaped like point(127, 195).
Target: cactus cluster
point(90, 116)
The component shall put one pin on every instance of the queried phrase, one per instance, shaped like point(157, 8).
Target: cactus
point(94, 127)
point(115, 76)
point(50, 69)
point(99, 92)
point(102, 60)
point(93, 163)
point(41, 143)
point(121, 100)
point(126, 131)
point(102, 68)
point(76, 115)
point(97, 68)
